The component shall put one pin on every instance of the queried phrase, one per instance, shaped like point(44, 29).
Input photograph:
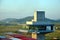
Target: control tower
point(39, 26)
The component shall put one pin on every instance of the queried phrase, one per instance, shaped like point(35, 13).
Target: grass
point(4, 29)
point(15, 28)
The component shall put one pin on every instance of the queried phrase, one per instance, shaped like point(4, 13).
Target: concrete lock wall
point(38, 36)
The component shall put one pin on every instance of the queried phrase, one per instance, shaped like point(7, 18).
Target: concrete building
point(39, 26)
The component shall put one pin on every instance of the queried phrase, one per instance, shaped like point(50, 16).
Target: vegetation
point(15, 28)
point(4, 29)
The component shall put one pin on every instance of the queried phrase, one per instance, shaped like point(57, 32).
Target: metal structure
point(39, 26)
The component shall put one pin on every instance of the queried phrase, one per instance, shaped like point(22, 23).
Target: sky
point(23, 8)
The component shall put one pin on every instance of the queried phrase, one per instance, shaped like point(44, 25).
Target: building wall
point(35, 16)
point(40, 15)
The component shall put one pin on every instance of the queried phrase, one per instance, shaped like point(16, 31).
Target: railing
point(40, 31)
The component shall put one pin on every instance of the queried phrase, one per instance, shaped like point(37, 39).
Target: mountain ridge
point(22, 20)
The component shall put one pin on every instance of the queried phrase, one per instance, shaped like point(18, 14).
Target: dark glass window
point(42, 28)
point(51, 27)
point(37, 27)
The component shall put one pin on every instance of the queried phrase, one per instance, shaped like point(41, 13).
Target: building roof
point(21, 37)
point(42, 23)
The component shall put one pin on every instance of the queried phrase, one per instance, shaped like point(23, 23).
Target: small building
point(39, 26)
